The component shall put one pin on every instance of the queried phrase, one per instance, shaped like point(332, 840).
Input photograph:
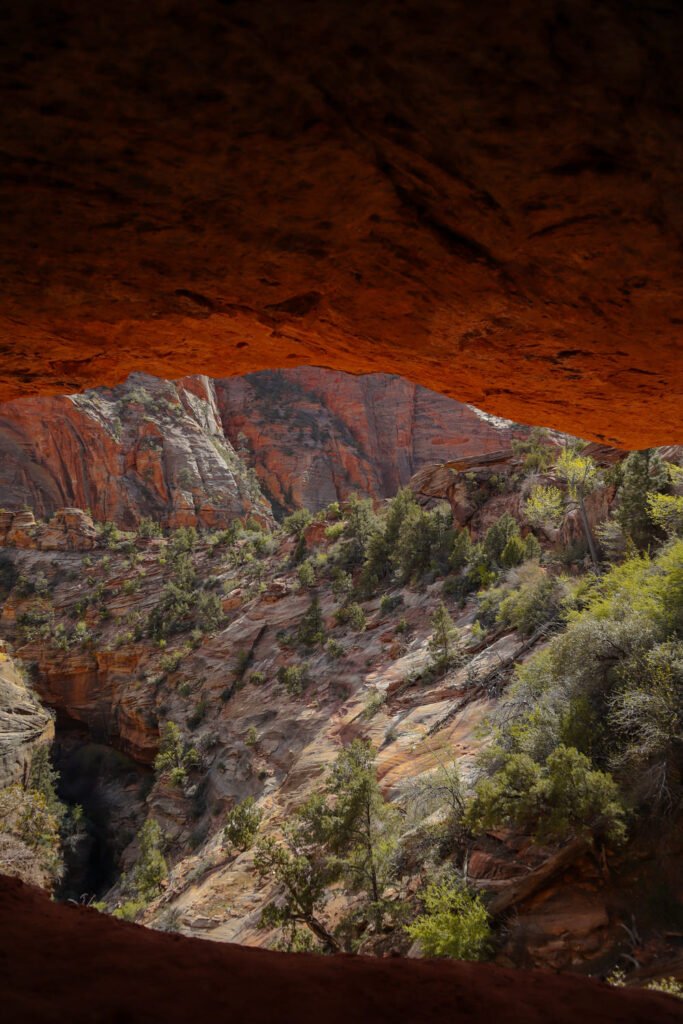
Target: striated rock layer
point(314, 435)
point(146, 448)
point(24, 723)
point(185, 452)
point(487, 202)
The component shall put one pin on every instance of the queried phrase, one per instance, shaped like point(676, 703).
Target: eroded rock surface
point(186, 452)
point(489, 205)
point(24, 723)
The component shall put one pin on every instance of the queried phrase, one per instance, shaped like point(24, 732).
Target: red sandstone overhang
point(485, 198)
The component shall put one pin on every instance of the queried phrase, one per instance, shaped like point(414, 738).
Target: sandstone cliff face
point(148, 447)
point(24, 723)
point(317, 435)
point(185, 452)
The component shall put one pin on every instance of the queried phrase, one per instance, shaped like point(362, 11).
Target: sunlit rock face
point(488, 205)
point(145, 448)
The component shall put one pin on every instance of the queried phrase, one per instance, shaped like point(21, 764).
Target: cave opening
point(110, 788)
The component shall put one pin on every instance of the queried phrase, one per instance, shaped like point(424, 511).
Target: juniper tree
point(444, 645)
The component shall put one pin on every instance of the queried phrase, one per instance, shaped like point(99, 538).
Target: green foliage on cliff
point(454, 922)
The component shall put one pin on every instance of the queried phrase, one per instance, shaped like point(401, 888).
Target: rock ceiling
point(483, 197)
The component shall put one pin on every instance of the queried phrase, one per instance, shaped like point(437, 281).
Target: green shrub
point(334, 531)
point(454, 923)
point(175, 758)
point(514, 552)
point(563, 799)
point(148, 529)
point(242, 824)
point(293, 678)
point(498, 538)
point(544, 507)
point(390, 602)
point(334, 649)
point(666, 512)
point(306, 574)
point(353, 615)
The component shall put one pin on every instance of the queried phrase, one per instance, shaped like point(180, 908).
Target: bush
point(514, 552)
point(498, 537)
point(564, 799)
point(527, 598)
point(352, 614)
point(148, 529)
point(390, 602)
point(454, 923)
point(544, 507)
point(334, 649)
point(306, 574)
point(293, 678)
point(175, 758)
point(242, 824)
point(150, 869)
point(666, 512)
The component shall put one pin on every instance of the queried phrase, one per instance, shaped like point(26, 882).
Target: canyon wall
point(146, 448)
point(185, 452)
point(317, 435)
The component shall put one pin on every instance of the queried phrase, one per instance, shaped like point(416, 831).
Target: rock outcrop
point(69, 529)
point(146, 448)
point(24, 723)
point(314, 436)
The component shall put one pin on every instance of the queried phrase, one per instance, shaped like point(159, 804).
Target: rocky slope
point(185, 453)
point(86, 639)
point(24, 723)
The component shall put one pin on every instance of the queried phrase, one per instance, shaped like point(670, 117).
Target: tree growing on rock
point(175, 758)
point(299, 866)
point(242, 824)
point(643, 473)
point(444, 645)
point(311, 631)
point(362, 826)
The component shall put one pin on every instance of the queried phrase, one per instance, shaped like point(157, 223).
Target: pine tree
point(312, 625)
point(150, 869)
point(643, 473)
point(444, 645)
point(362, 830)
